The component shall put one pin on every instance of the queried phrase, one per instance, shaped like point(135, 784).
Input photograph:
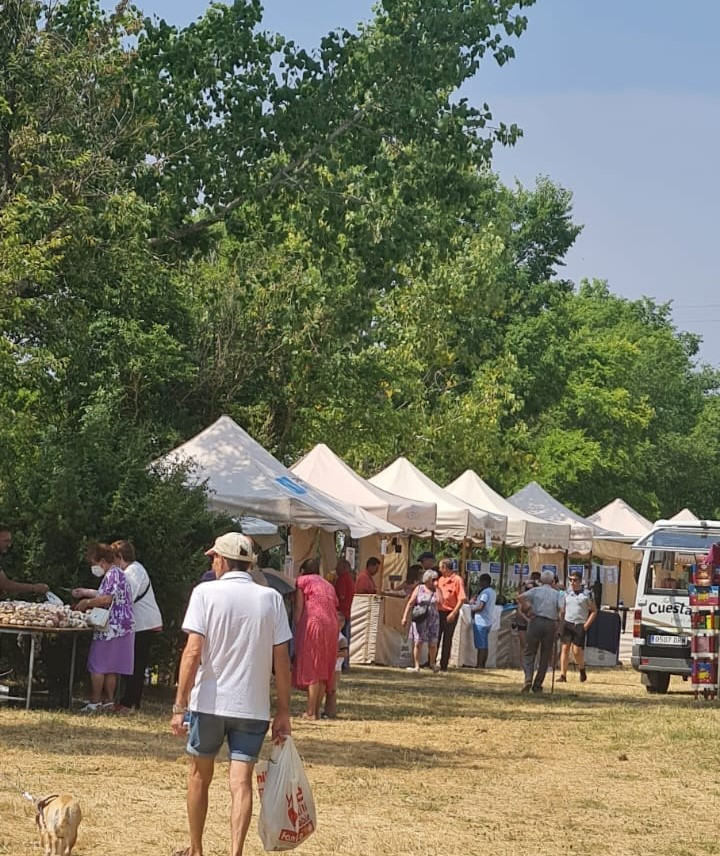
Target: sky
point(619, 101)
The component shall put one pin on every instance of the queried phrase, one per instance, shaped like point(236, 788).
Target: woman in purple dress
point(112, 647)
point(425, 627)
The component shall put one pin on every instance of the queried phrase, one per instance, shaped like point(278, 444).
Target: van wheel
point(658, 682)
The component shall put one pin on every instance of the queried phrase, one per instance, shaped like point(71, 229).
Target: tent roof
point(456, 519)
point(620, 517)
point(523, 529)
point(322, 468)
point(685, 515)
point(243, 478)
point(538, 501)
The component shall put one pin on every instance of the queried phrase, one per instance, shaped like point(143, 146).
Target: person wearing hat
point(238, 635)
point(580, 612)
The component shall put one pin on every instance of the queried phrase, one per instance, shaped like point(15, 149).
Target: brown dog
point(58, 817)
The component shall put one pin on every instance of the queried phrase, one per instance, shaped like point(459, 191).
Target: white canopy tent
point(618, 516)
point(684, 516)
point(456, 519)
point(537, 501)
point(244, 478)
point(523, 528)
point(323, 469)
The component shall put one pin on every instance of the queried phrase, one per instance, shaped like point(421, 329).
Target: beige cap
point(233, 545)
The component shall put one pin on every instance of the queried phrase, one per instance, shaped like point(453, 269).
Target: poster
point(289, 566)
point(494, 569)
point(350, 556)
point(383, 547)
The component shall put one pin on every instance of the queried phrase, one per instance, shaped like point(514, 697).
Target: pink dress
point(316, 634)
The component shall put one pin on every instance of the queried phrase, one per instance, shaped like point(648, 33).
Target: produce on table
point(44, 616)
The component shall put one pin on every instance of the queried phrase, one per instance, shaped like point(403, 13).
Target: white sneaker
point(412, 669)
point(91, 707)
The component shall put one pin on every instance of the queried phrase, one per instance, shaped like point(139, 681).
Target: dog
point(58, 817)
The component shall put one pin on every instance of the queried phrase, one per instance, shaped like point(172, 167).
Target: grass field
point(449, 764)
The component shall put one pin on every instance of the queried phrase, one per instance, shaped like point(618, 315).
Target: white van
point(661, 628)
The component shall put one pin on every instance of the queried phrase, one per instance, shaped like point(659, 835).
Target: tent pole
point(463, 562)
point(522, 562)
point(502, 567)
point(566, 567)
point(619, 580)
point(432, 542)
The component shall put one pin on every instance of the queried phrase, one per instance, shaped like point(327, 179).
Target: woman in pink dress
point(315, 636)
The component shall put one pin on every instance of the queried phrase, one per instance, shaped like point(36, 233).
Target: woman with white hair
point(422, 612)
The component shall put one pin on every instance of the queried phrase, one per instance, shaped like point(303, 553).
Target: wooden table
point(35, 633)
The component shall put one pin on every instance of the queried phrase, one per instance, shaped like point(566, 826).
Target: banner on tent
point(552, 568)
point(516, 571)
point(607, 574)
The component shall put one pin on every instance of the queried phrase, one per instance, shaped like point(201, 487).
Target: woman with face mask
point(112, 648)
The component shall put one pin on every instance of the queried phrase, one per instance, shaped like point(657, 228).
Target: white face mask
point(97, 571)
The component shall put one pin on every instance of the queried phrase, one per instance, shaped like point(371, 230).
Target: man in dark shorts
point(238, 635)
point(580, 612)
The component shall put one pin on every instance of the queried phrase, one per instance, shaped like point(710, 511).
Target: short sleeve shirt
point(365, 584)
point(484, 618)
point(452, 591)
point(545, 601)
point(577, 606)
point(241, 622)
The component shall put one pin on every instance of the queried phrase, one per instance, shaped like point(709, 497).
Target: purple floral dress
point(112, 650)
point(121, 610)
point(429, 630)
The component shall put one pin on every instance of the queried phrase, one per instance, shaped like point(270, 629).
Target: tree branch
point(283, 175)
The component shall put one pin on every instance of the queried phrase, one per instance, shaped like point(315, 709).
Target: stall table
point(35, 633)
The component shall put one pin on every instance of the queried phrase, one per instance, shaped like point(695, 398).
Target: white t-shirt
point(484, 618)
point(146, 612)
point(241, 622)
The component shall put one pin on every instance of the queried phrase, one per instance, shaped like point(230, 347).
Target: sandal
point(183, 851)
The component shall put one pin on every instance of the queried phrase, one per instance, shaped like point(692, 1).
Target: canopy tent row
point(323, 469)
point(523, 528)
point(457, 520)
point(244, 478)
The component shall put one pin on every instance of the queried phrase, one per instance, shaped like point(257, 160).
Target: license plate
point(668, 640)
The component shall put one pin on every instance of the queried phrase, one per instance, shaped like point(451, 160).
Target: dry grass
point(452, 764)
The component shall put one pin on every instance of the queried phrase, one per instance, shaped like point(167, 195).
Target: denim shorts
point(208, 731)
point(481, 635)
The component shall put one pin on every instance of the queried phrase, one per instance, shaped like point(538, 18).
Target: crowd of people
point(239, 637)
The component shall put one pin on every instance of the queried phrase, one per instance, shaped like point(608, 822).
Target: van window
point(667, 572)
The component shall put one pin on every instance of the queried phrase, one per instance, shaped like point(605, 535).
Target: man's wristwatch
point(178, 708)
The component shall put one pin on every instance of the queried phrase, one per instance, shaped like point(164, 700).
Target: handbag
point(99, 617)
point(420, 612)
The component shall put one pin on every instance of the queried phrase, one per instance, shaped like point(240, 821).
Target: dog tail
point(40, 809)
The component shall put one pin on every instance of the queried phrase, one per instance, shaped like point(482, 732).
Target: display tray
point(28, 628)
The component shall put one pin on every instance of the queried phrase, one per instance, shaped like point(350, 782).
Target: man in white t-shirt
point(483, 610)
point(238, 633)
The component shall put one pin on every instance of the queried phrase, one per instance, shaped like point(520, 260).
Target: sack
point(98, 617)
point(420, 612)
point(287, 810)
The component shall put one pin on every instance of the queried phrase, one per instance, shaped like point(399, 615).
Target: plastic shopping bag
point(287, 810)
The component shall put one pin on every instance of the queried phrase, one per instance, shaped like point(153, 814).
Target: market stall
point(38, 622)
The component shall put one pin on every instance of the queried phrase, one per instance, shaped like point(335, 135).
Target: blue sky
point(620, 102)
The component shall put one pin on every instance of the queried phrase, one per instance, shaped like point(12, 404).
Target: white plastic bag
point(287, 810)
